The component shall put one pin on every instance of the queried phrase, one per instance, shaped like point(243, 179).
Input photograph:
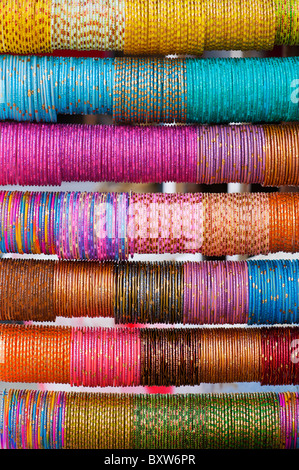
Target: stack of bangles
point(189, 120)
point(45, 154)
point(118, 357)
point(144, 90)
point(115, 226)
point(31, 419)
point(263, 292)
point(147, 26)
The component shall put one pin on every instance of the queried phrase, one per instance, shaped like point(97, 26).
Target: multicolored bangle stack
point(43, 154)
point(159, 27)
point(250, 292)
point(148, 356)
point(32, 419)
point(112, 226)
point(142, 90)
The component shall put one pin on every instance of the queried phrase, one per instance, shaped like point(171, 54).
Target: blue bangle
point(2, 399)
point(281, 293)
point(48, 229)
point(51, 93)
point(9, 424)
point(291, 296)
point(46, 422)
point(57, 222)
point(91, 243)
point(116, 226)
point(41, 232)
point(284, 288)
point(290, 292)
point(32, 66)
point(254, 311)
point(270, 292)
point(92, 103)
point(103, 84)
point(111, 87)
point(29, 224)
point(277, 292)
point(21, 85)
point(34, 420)
point(45, 87)
point(39, 66)
point(266, 292)
point(258, 300)
point(59, 67)
point(3, 94)
point(22, 215)
point(15, 96)
point(86, 81)
point(65, 88)
point(250, 296)
point(42, 418)
point(261, 275)
point(28, 90)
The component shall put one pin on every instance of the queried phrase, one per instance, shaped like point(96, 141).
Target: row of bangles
point(116, 226)
point(253, 292)
point(147, 27)
point(126, 357)
point(150, 90)
point(50, 154)
point(31, 419)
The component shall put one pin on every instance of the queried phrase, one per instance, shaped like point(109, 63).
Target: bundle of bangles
point(147, 27)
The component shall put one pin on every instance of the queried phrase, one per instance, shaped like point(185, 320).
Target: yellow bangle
point(184, 8)
point(152, 33)
point(129, 4)
point(142, 23)
point(271, 15)
point(7, 15)
point(166, 21)
point(294, 37)
point(199, 26)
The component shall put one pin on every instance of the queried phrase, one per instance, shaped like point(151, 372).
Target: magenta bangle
point(105, 357)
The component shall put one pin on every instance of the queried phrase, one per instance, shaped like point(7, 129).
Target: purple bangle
point(261, 153)
point(213, 154)
point(223, 155)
